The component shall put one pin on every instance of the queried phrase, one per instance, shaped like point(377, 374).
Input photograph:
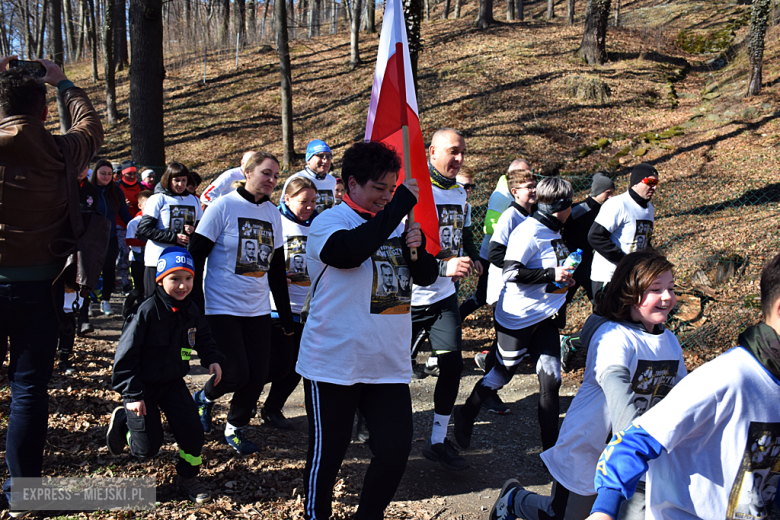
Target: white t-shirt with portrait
point(451, 213)
point(172, 213)
point(326, 188)
point(295, 238)
point(535, 246)
point(631, 228)
point(509, 220)
point(721, 430)
point(245, 236)
point(655, 363)
point(359, 326)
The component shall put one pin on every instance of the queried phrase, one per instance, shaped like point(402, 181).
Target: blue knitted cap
point(315, 147)
point(174, 259)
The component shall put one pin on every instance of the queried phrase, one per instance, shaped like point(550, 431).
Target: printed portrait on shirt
point(652, 382)
point(642, 235)
point(181, 216)
point(755, 487)
point(295, 251)
point(561, 254)
point(391, 290)
point(325, 200)
point(451, 220)
point(255, 247)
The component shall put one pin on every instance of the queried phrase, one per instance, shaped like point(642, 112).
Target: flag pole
point(408, 173)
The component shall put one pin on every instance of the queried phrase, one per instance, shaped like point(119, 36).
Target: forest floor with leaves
point(717, 210)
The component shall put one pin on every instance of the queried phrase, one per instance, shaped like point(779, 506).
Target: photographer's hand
point(54, 73)
point(5, 61)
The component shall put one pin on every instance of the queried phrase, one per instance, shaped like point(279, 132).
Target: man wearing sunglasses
point(624, 225)
point(318, 161)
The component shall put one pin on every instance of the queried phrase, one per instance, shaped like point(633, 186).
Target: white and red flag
point(393, 107)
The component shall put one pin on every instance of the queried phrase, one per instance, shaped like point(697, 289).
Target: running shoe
point(106, 308)
point(194, 488)
point(275, 419)
point(494, 404)
point(504, 508)
point(204, 410)
point(480, 360)
point(418, 371)
point(238, 441)
point(445, 454)
point(116, 437)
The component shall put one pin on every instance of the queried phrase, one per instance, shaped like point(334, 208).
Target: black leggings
point(282, 374)
point(109, 269)
point(331, 409)
point(479, 298)
point(245, 342)
point(541, 343)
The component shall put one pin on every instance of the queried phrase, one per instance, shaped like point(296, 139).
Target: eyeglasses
point(323, 156)
point(530, 187)
point(650, 181)
point(469, 186)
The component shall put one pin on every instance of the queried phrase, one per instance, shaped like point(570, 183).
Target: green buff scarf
point(437, 179)
point(763, 342)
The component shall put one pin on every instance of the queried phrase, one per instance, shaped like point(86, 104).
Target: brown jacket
point(33, 195)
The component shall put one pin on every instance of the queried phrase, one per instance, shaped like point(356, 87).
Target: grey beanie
point(601, 183)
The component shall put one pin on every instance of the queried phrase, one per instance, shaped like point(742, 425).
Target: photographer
point(33, 193)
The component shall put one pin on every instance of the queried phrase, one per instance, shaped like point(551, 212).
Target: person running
point(112, 205)
point(529, 311)
point(88, 199)
point(223, 184)
point(360, 361)
point(152, 358)
point(170, 217)
point(319, 159)
point(624, 224)
point(633, 363)
point(435, 307)
point(714, 441)
point(297, 209)
point(236, 293)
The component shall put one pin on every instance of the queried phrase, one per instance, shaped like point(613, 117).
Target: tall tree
point(520, 10)
point(314, 18)
point(265, 18)
point(594, 40)
point(371, 16)
point(239, 9)
point(617, 13)
point(147, 71)
point(41, 18)
point(413, 13)
point(759, 18)
point(550, 9)
point(570, 11)
point(251, 21)
point(354, 54)
point(458, 5)
point(285, 83)
point(120, 34)
point(445, 13)
point(485, 16)
point(510, 10)
point(55, 44)
point(92, 39)
point(224, 26)
point(108, 62)
point(70, 36)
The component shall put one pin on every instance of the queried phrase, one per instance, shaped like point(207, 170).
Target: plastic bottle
point(574, 260)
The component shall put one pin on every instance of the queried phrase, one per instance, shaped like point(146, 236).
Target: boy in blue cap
point(152, 358)
point(318, 162)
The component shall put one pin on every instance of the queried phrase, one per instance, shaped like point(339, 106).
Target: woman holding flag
point(360, 361)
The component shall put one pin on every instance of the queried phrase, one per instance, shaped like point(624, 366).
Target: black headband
point(555, 206)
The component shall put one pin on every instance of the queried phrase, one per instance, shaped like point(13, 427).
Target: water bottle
point(574, 261)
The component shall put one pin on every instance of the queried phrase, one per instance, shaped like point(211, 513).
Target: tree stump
point(587, 88)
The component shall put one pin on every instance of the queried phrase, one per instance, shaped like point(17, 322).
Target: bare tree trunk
point(570, 11)
point(70, 37)
point(285, 84)
point(147, 71)
point(594, 39)
point(224, 27)
point(314, 19)
point(239, 11)
point(510, 10)
point(251, 21)
point(334, 17)
point(28, 30)
point(485, 17)
point(83, 25)
point(458, 5)
point(55, 36)
point(303, 13)
point(520, 10)
point(617, 13)
point(371, 16)
point(108, 62)
point(265, 18)
point(445, 13)
point(347, 6)
point(413, 12)
point(120, 35)
point(550, 9)
point(39, 37)
point(291, 19)
point(759, 18)
point(354, 60)
point(93, 39)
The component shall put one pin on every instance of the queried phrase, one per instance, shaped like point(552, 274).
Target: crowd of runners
point(334, 286)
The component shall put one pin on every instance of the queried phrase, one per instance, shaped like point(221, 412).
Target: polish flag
point(393, 106)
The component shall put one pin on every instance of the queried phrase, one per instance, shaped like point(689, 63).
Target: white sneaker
point(106, 308)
